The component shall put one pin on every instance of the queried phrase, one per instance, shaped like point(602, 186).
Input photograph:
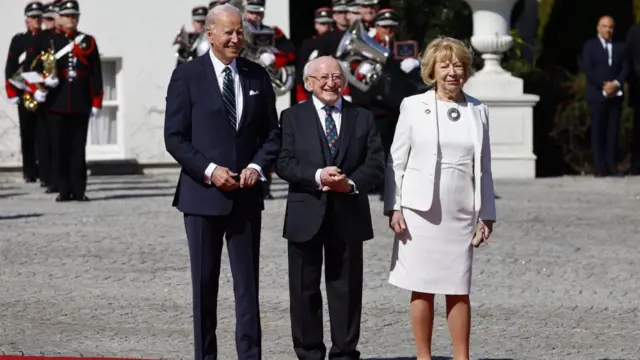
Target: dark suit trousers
point(45, 153)
point(69, 145)
point(343, 278)
point(205, 235)
point(605, 124)
point(28, 127)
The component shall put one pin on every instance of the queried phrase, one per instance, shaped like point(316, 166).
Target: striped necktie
point(331, 130)
point(229, 97)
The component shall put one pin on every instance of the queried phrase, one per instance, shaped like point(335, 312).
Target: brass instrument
point(357, 46)
point(48, 58)
point(257, 43)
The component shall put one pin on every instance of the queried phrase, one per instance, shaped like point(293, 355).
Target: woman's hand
point(396, 222)
point(487, 228)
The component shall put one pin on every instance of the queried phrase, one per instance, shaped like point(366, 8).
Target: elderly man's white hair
point(306, 71)
point(218, 11)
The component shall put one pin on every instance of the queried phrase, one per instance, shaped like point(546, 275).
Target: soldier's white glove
point(407, 65)
point(40, 96)
point(95, 111)
point(51, 81)
point(14, 100)
point(365, 68)
point(267, 59)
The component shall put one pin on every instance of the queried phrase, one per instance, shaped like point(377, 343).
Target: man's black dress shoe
point(63, 198)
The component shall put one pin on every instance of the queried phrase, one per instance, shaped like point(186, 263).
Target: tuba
point(257, 43)
point(355, 47)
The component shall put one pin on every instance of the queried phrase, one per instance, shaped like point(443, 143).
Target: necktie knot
point(328, 109)
point(227, 70)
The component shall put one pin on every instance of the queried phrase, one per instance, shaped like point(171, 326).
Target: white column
point(511, 110)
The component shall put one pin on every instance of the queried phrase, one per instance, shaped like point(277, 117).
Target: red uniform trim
point(96, 99)
point(283, 59)
point(301, 93)
point(11, 90)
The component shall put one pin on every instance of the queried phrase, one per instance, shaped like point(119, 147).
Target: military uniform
point(186, 51)
point(21, 46)
point(73, 95)
point(370, 27)
point(47, 163)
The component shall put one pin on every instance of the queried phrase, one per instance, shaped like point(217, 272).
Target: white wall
point(139, 32)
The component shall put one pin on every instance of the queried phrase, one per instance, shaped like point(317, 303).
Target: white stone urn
point(510, 109)
point(491, 21)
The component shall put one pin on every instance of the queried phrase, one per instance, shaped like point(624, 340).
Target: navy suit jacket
point(197, 132)
point(594, 62)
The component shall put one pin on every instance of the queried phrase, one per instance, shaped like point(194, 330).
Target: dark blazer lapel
point(245, 82)
point(349, 117)
point(316, 131)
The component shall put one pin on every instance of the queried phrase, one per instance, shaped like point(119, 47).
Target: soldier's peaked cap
point(49, 11)
point(387, 17)
point(199, 13)
point(340, 6)
point(215, 3)
point(34, 8)
point(367, 2)
point(323, 16)
point(256, 6)
point(69, 7)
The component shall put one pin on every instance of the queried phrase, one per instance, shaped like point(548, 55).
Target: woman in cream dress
point(439, 190)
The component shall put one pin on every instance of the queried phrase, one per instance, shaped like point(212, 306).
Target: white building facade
point(134, 39)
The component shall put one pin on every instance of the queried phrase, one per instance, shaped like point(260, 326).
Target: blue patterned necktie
point(229, 96)
point(331, 130)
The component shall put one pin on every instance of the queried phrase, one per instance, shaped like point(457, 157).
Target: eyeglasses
point(325, 78)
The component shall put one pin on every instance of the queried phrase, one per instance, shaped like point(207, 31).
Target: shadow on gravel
point(19, 216)
point(133, 188)
point(9, 195)
point(94, 182)
point(131, 196)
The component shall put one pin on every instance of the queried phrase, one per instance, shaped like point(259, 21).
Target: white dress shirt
point(336, 114)
point(218, 67)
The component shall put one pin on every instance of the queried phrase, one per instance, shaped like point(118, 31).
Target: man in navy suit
point(605, 66)
point(221, 126)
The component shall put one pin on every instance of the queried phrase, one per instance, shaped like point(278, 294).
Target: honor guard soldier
point(47, 165)
point(186, 50)
point(368, 10)
point(285, 51)
point(354, 11)
point(49, 17)
point(21, 45)
point(339, 12)
point(72, 94)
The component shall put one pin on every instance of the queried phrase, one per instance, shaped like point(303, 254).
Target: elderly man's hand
point(249, 177)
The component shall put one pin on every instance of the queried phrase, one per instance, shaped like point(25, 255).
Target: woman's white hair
point(218, 11)
point(306, 71)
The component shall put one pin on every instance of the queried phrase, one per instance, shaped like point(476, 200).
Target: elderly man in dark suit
point(331, 156)
point(221, 126)
point(605, 65)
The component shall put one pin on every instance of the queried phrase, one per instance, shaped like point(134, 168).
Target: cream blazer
point(413, 158)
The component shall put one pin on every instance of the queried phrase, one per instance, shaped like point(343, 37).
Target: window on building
point(103, 129)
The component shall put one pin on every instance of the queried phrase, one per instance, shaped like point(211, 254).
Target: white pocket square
point(253, 92)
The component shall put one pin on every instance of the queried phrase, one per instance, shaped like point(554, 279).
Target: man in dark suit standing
point(605, 66)
point(221, 121)
point(331, 156)
point(633, 55)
